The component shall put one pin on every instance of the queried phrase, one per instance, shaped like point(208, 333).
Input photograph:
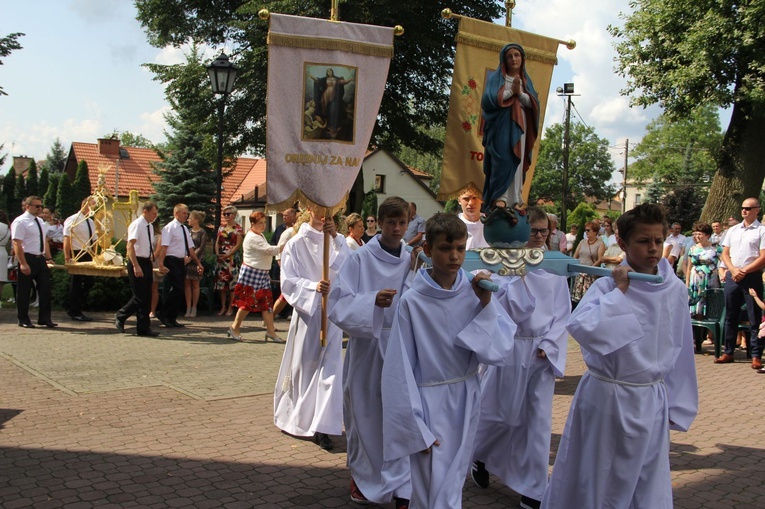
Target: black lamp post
point(222, 75)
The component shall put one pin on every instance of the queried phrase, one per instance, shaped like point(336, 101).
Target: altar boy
point(445, 326)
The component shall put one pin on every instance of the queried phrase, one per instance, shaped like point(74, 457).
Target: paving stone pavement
point(93, 418)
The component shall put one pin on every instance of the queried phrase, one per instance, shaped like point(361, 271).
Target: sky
point(79, 74)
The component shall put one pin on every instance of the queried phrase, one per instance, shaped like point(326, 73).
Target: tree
point(185, 174)
point(20, 190)
point(81, 185)
point(9, 193)
point(129, 139)
point(589, 169)
point(369, 207)
point(66, 202)
point(56, 160)
point(32, 181)
point(418, 81)
point(52, 190)
point(655, 191)
point(42, 186)
point(679, 151)
point(684, 204)
point(8, 44)
point(684, 54)
point(427, 162)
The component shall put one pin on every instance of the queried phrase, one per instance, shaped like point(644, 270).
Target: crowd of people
point(441, 376)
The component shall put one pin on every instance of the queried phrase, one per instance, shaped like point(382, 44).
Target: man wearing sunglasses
point(744, 256)
point(33, 253)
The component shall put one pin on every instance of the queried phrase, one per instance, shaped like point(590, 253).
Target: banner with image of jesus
point(479, 44)
point(325, 84)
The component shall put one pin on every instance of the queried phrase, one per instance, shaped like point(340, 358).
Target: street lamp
point(567, 90)
point(222, 75)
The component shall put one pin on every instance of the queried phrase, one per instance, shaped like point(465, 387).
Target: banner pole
point(325, 277)
point(334, 14)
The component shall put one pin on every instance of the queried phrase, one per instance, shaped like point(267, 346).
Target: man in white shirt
point(571, 238)
point(717, 233)
point(140, 238)
point(33, 254)
point(471, 202)
point(79, 235)
point(744, 256)
point(177, 250)
point(673, 245)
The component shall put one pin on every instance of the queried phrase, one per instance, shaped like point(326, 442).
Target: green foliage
point(8, 44)
point(129, 139)
point(66, 201)
point(589, 169)
point(679, 151)
point(452, 205)
point(56, 159)
point(185, 174)
point(684, 205)
point(42, 186)
point(81, 185)
point(655, 191)
point(32, 182)
point(416, 88)
point(370, 205)
point(428, 162)
point(52, 190)
point(20, 190)
point(9, 193)
point(580, 215)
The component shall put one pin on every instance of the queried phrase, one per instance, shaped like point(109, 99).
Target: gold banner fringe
point(496, 45)
point(305, 202)
point(361, 48)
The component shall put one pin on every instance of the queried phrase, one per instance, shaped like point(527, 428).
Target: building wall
point(398, 182)
point(635, 195)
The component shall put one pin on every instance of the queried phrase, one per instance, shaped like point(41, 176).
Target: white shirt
point(570, 239)
point(745, 243)
point(76, 228)
point(258, 253)
point(675, 240)
point(172, 237)
point(23, 228)
point(283, 239)
point(143, 241)
point(475, 233)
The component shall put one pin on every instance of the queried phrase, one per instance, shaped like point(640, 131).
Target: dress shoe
point(164, 321)
point(756, 363)
point(324, 441)
point(724, 359)
point(147, 334)
point(49, 325)
point(27, 325)
point(81, 318)
point(120, 325)
point(177, 325)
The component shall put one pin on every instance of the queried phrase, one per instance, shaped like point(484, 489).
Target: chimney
point(109, 147)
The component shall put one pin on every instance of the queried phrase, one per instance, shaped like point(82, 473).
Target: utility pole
point(566, 90)
point(624, 182)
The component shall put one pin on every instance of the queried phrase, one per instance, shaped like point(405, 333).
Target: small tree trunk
point(740, 164)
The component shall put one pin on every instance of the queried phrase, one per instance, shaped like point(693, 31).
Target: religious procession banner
point(325, 83)
point(479, 44)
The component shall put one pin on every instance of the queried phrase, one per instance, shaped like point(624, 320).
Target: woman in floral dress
point(227, 243)
point(590, 251)
point(701, 272)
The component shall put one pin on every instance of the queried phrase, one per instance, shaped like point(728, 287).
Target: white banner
point(325, 83)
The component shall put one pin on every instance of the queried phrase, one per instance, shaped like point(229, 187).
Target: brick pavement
point(89, 417)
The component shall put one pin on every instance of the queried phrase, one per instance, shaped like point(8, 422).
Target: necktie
point(39, 229)
point(185, 239)
point(151, 251)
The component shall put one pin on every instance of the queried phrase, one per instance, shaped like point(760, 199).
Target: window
point(637, 200)
point(379, 183)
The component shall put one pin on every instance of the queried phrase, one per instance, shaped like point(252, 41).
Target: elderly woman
point(590, 251)
point(252, 292)
point(193, 277)
point(355, 224)
point(227, 242)
point(701, 269)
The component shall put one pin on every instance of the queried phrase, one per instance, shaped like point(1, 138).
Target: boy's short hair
point(645, 213)
point(393, 206)
point(443, 223)
point(537, 214)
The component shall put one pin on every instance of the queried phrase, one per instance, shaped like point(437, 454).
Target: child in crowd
point(445, 326)
point(637, 342)
point(307, 399)
point(513, 438)
point(363, 303)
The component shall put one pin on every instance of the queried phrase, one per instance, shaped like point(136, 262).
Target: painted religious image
point(329, 102)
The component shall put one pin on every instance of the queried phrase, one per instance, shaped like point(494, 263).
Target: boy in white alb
point(363, 303)
point(445, 326)
point(513, 438)
point(308, 399)
point(640, 383)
